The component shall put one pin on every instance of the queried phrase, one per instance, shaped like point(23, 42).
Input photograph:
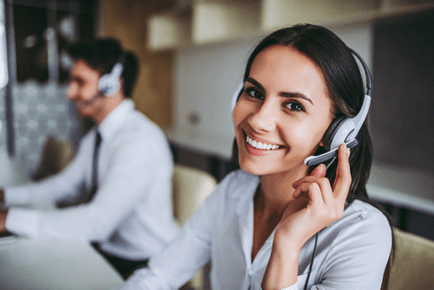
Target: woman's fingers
point(322, 203)
point(319, 189)
point(319, 171)
point(342, 182)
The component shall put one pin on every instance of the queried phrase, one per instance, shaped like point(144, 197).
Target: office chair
point(55, 155)
point(190, 188)
point(413, 265)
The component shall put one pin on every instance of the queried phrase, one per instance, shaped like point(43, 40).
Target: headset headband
point(367, 72)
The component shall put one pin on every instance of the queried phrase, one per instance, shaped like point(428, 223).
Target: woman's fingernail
point(346, 148)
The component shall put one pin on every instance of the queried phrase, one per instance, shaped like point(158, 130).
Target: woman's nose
point(264, 119)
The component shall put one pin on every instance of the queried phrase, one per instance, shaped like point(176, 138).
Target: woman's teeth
point(260, 145)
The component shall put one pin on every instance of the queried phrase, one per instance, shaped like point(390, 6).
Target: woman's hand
point(316, 205)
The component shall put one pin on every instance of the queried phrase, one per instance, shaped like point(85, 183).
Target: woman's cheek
point(308, 137)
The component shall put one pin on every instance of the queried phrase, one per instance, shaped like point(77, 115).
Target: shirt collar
point(247, 191)
point(114, 120)
point(244, 210)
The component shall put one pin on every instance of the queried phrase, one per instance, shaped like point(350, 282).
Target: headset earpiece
point(109, 84)
point(331, 132)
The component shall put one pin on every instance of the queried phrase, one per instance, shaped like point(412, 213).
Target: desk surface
point(29, 264)
point(403, 187)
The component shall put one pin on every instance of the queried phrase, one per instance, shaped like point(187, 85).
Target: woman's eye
point(252, 92)
point(294, 106)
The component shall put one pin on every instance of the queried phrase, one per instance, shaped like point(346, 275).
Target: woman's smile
point(258, 146)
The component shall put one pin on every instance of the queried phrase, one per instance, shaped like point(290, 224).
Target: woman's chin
point(270, 168)
point(255, 169)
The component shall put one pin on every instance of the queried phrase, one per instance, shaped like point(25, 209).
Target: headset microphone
point(89, 101)
point(344, 129)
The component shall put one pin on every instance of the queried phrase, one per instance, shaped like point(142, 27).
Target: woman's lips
point(259, 148)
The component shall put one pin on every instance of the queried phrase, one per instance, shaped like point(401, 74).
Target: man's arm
point(54, 189)
point(131, 172)
point(64, 185)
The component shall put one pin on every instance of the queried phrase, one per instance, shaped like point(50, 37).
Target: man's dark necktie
point(95, 167)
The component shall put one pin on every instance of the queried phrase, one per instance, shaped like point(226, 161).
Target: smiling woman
point(277, 223)
point(284, 103)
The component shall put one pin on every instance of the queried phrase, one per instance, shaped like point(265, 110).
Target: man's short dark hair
point(102, 54)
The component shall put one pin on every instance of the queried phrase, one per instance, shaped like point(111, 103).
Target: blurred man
point(118, 186)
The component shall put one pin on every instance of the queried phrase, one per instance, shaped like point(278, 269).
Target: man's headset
point(341, 129)
point(109, 84)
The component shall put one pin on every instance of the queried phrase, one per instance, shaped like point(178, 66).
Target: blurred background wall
point(127, 21)
point(403, 109)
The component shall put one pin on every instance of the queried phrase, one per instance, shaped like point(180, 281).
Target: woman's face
point(282, 114)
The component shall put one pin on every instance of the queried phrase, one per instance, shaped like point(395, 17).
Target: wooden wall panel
point(126, 20)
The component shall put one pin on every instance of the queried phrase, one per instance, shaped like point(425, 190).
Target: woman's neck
point(271, 198)
point(276, 189)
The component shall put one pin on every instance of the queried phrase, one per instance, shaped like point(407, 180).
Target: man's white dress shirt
point(131, 213)
point(351, 253)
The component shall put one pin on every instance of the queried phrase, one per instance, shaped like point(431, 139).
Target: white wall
point(205, 78)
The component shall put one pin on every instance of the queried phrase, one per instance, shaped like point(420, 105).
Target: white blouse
point(352, 253)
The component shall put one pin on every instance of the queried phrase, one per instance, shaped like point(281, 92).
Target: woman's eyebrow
point(295, 95)
point(256, 83)
point(282, 94)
